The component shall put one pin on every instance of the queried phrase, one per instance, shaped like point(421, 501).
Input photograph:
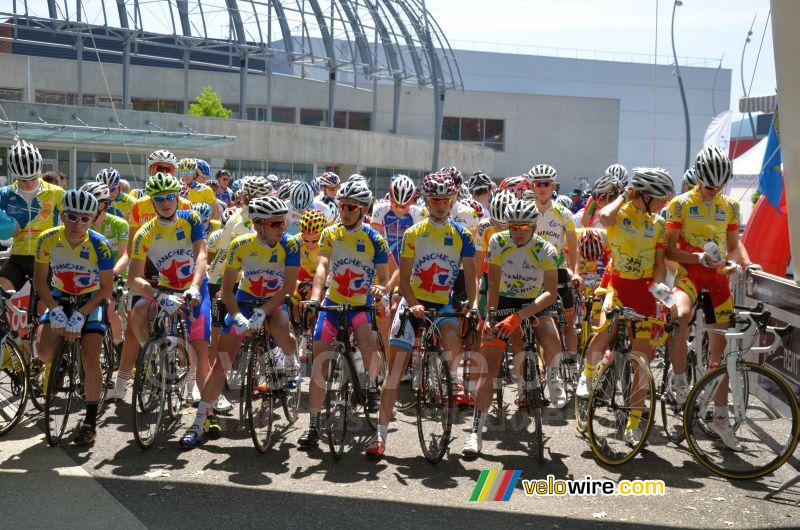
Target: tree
point(208, 105)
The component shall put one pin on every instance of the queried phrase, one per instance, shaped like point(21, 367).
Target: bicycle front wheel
point(260, 388)
point(768, 431)
point(338, 404)
point(534, 403)
point(150, 388)
point(434, 407)
point(621, 409)
point(581, 405)
point(13, 385)
point(61, 399)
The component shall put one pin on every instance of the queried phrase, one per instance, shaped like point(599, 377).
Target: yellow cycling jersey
point(122, 206)
point(197, 193)
point(486, 229)
point(215, 224)
point(700, 222)
point(553, 225)
point(170, 247)
point(353, 257)
point(263, 266)
point(437, 251)
point(633, 239)
point(76, 270)
point(34, 218)
point(308, 258)
point(143, 211)
point(522, 267)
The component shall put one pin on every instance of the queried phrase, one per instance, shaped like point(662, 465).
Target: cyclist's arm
point(469, 272)
point(383, 276)
point(659, 266)
point(737, 253)
point(289, 282)
point(393, 280)
point(545, 299)
point(318, 289)
point(608, 215)
point(572, 246)
point(406, 265)
point(480, 258)
point(122, 262)
point(229, 279)
point(493, 286)
point(588, 213)
point(136, 281)
point(40, 272)
point(200, 262)
point(104, 293)
point(676, 254)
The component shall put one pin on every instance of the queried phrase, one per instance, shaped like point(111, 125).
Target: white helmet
point(355, 190)
point(605, 185)
point(619, 172)
point(162, 156)
point(255, 187)
point(79, 201)
point(500, 201)
point(542, 172)
point(564, 201)
point(24, 161)
point(357, 176)
point(653, 181)
point(264, 207)
point(402, 190)
point(712, 167)
point(301, 196)
point(98, 189)
point(329, 178)
point(522, 212)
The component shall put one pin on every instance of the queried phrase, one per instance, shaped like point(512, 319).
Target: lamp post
point(677, 4)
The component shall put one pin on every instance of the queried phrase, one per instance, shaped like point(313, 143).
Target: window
point(313, 117)
point(450, 128)
point(471, 130)
point(283, 114)
point(340, 119)
point(168, 105)
point(145, 104)
point(13, 94)
point(233, 107)
point(359, 121)
point(494, 134)
point(490, 133)
point(56, 98)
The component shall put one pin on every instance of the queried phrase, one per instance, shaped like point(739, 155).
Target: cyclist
point(121, 202)
point(555, 225)
point(329, 183)
point(700, 218)
point(689, 181)
point(519, 185)
point(204, 211)
point(203, 172)
point(301, 198)
point(351, 253)
point(604, 190)
point(481, 187)
point(33, 204)
point(523, 275)
point(188, 171)
point(142, 211)
point(635, 234)
point(311, 225)
point(431, 255)
point(486, 229)
point(115, 230)
point(268, 261)
point(81, 263)
point(224, 193)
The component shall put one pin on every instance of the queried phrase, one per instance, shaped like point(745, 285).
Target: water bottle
point(712, 251)
point(358, 363)
point(662, 293)
point(387, 305)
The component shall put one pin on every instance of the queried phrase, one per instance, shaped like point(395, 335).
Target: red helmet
point(438, 185)
point(591, 245)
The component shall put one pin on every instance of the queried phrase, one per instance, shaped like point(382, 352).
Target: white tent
point(744, 181)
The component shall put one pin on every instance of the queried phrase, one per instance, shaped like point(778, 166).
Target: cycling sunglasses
point(542, 183)
point(349, 207)
point(271, 224)
point(311, 241)
point(167, 197)
point(164, 168)
point(439, 200)
point(523, 228)
point(75, 218)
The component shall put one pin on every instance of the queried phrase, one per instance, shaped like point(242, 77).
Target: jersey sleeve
point(141, 242)
point(733, 223)
point(233, 258)
point(660, 234)
point(568, 221)
point(44, 243)
point(214, 240)
point(675, 213)
point(326, 240)
point(102, 248)
point(124, 233)
point(381, 255)
point(198, 229)
point(467, 242)
point(495, 251)
point(408, 245)
point(548, 257)
point(480, 238)
point(292, 249)
point(378, 214)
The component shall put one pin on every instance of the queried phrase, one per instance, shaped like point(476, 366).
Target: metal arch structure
point(395, 41)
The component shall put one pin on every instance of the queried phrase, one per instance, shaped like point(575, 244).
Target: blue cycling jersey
point(393, 227)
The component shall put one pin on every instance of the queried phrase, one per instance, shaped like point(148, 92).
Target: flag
point(719, 131)
point(770, 181)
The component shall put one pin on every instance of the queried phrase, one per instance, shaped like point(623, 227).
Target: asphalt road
point(226, 483)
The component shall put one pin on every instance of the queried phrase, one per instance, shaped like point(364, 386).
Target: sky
point(711, 29)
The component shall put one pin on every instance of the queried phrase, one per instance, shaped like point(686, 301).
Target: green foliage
point(209, 105)
point(755, 197)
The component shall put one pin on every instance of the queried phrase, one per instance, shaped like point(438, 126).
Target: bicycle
point(65, 395)
point(158, 385)
point(263, 388)
point(14, 385)
point(764, 408)
point(587, 330)
point(624, 387)
point(432, 384)
point(533, 378)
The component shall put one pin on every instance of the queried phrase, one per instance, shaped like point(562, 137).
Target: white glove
point(705, 260)
point(192, 293)
point(58, 318)
point(240, 324)
point(754, 267)
point(256, 319)
point(75, 323)
point(169, 303)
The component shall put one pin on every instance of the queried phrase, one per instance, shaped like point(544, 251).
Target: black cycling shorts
point(567, 299)
point(18, 270)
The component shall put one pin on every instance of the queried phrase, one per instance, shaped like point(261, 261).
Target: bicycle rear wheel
point(338, 398)
point(581, 405)
point(671, 413)
point(150, 389)
point(406, 395)
point(434, 407)
point(769, 432)
point(260, 402)
point(61, 397)
point(108, 360)
point(13, 385)
point(624, 390)
point(534, 403)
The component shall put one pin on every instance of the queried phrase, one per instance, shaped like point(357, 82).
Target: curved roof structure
point(385, 39)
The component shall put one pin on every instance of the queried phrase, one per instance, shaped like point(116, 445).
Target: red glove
point(504, 328)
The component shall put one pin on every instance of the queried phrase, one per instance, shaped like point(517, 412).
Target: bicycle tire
point(14, 385)
point(61, 393)
point(338, 396)
point(611, 382)
point(107, 361)
point(435, 393)
point(671, 414)
point(149, 392)
point(581, 405)
point(406, 395)
point(260, 385)
point(534, 402)
point(775, 383)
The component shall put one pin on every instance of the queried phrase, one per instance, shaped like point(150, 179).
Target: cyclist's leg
point(322, 351)
point(136, 334)
point(228, 348)
point(397, 359)
point(115, 321)
point(547, 336)
point(491, 354)
point(367, 342)
point(568, 302)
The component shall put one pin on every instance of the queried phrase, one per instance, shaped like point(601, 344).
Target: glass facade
point(381, 177)
point(12, 94)
point(489, 132)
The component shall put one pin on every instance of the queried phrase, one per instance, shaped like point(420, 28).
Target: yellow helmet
point(187, 164)
point(312, 222)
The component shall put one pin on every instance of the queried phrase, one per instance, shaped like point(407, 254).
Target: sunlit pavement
point(226, 483)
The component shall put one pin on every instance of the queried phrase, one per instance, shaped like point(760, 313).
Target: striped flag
point(495, 485)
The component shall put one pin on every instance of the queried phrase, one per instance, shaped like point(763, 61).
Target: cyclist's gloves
point(192, 293)
point(240, 324)
point(256, 319)
point(169, 303)
point(58, 318)
point(75, 323)
point(504, 328)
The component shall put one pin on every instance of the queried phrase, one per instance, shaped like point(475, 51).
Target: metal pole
point(741, 72)
point(268, 63)
point(243, 87)
point(438, 98)
point(185, 81)
point(398, 87)
point(331, 96)
point(680, 86)
point(79, 66)
point(126, 74)
point(374, 120)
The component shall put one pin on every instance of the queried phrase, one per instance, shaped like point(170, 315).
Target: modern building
point(334, 84)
